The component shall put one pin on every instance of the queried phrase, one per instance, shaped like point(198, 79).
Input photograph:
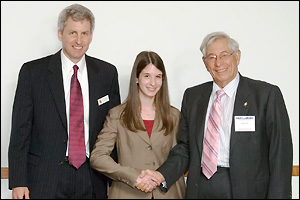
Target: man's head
point(221, 56)
point(75, 30)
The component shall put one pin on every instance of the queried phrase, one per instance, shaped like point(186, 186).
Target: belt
point(221, 169)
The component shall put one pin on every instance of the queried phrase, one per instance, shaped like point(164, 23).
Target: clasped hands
point(148, 180)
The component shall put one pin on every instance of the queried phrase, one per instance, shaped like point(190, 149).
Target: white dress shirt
point(68, 71)
point(227, 103)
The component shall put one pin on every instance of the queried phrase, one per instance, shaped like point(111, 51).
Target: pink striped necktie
point(211, 141)
point(77, 155)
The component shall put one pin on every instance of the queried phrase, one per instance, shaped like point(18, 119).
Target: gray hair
point(210, 38)
point(78, 13)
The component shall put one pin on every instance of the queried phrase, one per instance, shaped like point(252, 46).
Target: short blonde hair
point(78, 13)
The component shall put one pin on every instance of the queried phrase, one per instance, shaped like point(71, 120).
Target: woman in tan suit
point(143, 128)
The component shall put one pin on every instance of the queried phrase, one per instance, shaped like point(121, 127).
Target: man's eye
point(224, 54)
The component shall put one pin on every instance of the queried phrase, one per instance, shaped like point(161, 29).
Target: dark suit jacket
point(39, 135)
point(260, 161)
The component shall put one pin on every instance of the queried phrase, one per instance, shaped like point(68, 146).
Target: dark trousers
point(217, 187)
point(75, 183)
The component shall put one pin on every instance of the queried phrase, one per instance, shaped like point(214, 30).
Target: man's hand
point(20, 193)
point(148, 180)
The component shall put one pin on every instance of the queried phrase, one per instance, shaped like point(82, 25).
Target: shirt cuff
point(163, 186)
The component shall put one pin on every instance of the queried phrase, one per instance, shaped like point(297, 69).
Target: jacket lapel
point(241, 106)
point(94, 76)
point(201, 110)
point(56, 86)
point(156, 132)
point(144, 134)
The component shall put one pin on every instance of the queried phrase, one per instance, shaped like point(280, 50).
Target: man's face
point(75, 38)
point(221, 62)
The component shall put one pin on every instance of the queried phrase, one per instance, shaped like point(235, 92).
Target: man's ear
point(203, 59)
point(239, 53)
point(59, 33)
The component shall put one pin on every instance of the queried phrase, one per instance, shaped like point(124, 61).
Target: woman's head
point(148, 63)
point(148, 71)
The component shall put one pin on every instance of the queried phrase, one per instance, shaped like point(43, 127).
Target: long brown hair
point(131, 114)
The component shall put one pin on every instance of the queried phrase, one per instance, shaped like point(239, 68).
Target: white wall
point(268, 34)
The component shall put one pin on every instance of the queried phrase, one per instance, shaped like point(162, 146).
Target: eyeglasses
point(223, 56)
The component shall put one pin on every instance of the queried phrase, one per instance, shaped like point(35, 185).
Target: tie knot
point(220, 93)
point(75, 67)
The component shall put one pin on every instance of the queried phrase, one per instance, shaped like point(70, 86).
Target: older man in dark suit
point(244, 148)
point(43, 123)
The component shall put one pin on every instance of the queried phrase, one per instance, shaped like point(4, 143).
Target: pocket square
point(103, 100)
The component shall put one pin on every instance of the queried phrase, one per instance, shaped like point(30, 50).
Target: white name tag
point(103, 100)
point(244, 123)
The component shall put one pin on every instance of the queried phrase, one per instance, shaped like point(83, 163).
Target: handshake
point(148, 180)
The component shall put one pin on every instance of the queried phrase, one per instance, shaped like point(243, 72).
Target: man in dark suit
point(39, 165)
point(254, 145)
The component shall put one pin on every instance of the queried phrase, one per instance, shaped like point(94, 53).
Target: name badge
point(103, 100)
point(244, 123)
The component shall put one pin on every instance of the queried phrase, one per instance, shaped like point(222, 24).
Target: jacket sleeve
point(178, 160)
point(22, 116)
point(101, 160)
point(280, 146)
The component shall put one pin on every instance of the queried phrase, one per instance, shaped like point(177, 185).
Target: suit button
point(65, 141)
point(196, 185)
point(61, 162)
point(149, 148)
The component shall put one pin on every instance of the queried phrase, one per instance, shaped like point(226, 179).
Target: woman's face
point(149, 81)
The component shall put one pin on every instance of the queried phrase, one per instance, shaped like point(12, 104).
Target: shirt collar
point(230, 88)
point(67, 64)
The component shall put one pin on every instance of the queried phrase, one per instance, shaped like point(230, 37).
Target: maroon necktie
point(76, 123)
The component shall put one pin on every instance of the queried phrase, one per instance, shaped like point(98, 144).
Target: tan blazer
point(136, 151)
